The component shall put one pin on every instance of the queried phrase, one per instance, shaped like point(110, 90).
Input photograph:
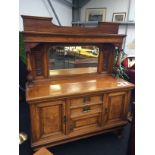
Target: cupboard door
point(48, 121)
point(116, 106)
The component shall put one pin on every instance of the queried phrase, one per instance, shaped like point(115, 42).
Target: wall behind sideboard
point(64, 13)
point(113, 6)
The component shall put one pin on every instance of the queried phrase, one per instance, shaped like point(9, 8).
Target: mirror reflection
point(73, 59)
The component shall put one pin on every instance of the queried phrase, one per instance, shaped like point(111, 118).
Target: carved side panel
point(37, 63)
point(106, 61)
point(106, 58)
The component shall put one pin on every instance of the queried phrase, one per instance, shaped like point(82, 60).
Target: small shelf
point(127, 23)
point(78, 23)
point(95, 23)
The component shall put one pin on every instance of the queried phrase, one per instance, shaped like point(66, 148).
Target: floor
point(105, 144)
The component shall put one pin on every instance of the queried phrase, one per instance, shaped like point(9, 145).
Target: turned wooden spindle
point(100, 60)
point(29, 66)
point(118, 62)
point(116, 69)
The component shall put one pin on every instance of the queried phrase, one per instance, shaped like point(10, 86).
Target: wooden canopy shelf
point(39, 34)
point(39, 29)
point(94, 23)
point(71, 104)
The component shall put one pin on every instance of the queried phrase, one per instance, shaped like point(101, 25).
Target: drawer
point(85, 110)
point(88, 121)
point(86, 100)
point(85, 123)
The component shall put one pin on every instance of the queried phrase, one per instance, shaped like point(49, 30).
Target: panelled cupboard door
point(116, 107)
point(48, 120)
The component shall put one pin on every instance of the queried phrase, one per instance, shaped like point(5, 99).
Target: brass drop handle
point(65, 119)
point(86, 99)
point(101, 98)
point(86, 109)
point(106, 110)
point(72, 126)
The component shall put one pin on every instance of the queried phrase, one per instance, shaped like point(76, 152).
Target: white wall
point(112, 7)
point(41, 8)
point(64, 13)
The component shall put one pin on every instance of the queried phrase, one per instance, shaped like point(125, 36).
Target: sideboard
point(73, 103)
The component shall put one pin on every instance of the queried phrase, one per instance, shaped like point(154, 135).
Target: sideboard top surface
point(74, 86)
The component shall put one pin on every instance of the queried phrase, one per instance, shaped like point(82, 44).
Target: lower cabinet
point(116, 107)
point(57, 121)
point(47, 121)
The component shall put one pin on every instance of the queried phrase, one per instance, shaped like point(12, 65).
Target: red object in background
point(131, 74)
point(130, 71)
point(125, 63)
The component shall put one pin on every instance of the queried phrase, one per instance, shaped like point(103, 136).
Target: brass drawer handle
point(106, 110)
point(72, 126)
point(86, 99)
point(86, 109)
point(101, 98)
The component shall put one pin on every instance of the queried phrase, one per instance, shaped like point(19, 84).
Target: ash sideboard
point(70, 107)
point(77, 109)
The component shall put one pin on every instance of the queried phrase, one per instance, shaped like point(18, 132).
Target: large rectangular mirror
point(68, 60)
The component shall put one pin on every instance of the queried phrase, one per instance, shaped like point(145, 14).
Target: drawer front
point(86, 122)
point(85, 110)
point(83, 124)
point(85, 100)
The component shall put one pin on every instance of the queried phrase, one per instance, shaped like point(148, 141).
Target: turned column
point(100, 60)
point(29, 65)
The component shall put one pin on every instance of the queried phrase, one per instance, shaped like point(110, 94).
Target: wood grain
point(67, 105)
point(76, 86)
point(44, 24)
point(43, 151)
point(72, 71)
